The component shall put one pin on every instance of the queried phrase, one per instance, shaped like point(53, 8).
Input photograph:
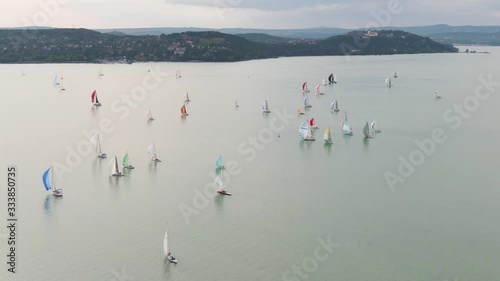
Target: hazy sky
point(246, 13)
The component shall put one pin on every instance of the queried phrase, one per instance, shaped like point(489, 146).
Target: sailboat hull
point(223, 192)
point(117, 175)
point(57, 192)
point(171, 259)
point(128, 167)
point(97, 104)
point(155, 160)
point(102, 155)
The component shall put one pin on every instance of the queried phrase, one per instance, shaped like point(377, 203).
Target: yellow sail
point(327, 136)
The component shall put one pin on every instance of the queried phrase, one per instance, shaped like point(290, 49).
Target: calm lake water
point(441, 223)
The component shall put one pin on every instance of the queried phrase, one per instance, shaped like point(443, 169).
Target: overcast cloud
point(244, 13)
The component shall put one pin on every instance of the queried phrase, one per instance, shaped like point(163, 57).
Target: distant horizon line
point(221, 28)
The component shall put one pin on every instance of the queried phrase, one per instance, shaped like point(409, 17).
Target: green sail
point(125, 160)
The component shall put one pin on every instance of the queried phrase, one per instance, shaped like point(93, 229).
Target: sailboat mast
point(52, 178)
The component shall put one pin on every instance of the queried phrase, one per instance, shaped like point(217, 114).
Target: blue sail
point(218, 162)
point(46, 179)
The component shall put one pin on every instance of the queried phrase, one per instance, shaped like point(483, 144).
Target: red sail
point(183, 110)
point(311, 122)
point(93, 96)
point(304, 86)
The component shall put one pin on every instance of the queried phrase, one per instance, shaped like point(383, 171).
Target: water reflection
point(152, 166)
point(327, 147)
point(366, 142)
point(166, 269)
point(49, 203)
point(347, 139)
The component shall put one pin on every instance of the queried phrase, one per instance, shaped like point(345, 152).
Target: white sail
point(323, 82)
point(96, 142)
point(373, 125)
point(186, 97)
point(388, 82)
point(366, 131)
point(149, 115)
point(218, 182)
point(152, 150)
point(306, 103)
point(265, 107)
point(334, 106)
point(113, 165)
point(166, 251)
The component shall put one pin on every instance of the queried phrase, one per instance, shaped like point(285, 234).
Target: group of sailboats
point(306, 132)
point(371, 129)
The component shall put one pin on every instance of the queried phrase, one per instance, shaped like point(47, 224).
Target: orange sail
point(183, 110)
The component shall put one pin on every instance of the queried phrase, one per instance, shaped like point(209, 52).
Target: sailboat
point(318, 90)
point(265, 107)
point(388, 82)
point(94, 98)
point(300, 112)
point(332, 79)
point(125, 163)
point(323, 82)
point(312, 124)
point(334, 106)
point(186, 97)
point(346, 128)
point(152, 152)
point(183, 110)
point(304, 87)
point(306, 104)
point(150, 115)
point(22, 73)
point(61, 76)
point(61, 87)
point(236, 105)
point(178, 74)
point(99, 73)
point(97, 144)
point(115, 170)
point(218, 182)
point(366, 131)
point(395, 75)
point(55, 82)
point(166, 250)
point(374, 128)
point(327, 136)
point(305, 132)
point(218, 163)
point(49, 182)
point(436, 95)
